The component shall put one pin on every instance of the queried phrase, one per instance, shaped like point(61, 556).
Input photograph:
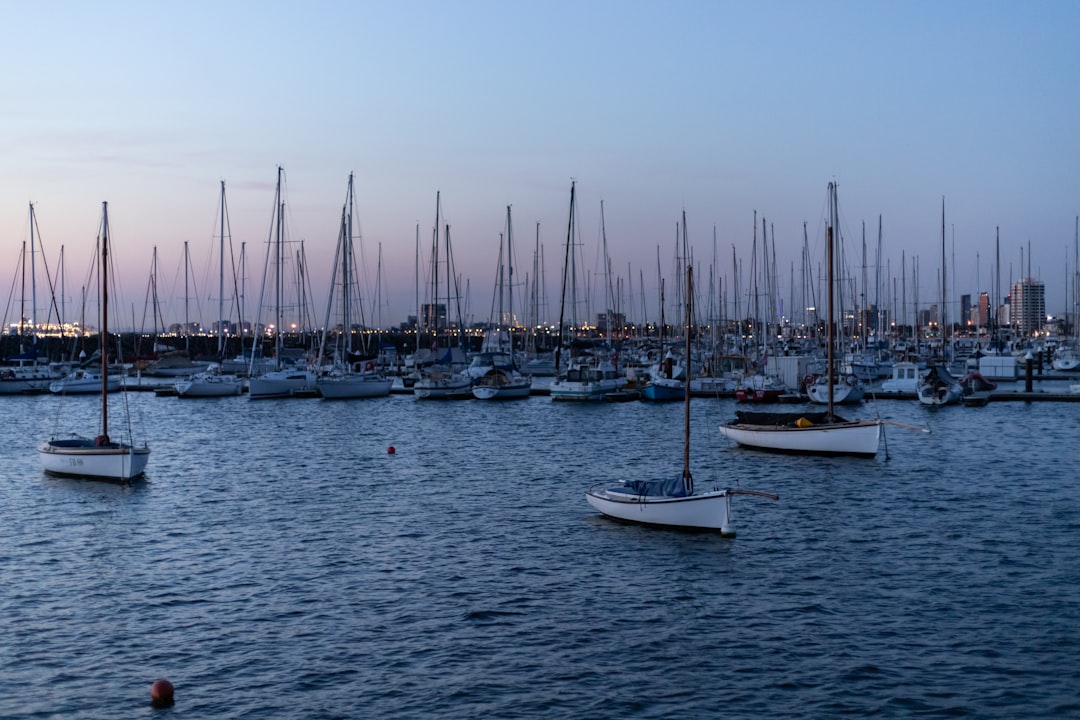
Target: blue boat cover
point(674, 487)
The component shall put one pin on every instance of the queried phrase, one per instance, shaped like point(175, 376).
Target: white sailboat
point(213, 382)
point(209, 383)
point(345, 380)
point(937, 386)
point(591, 373)
point(672, 503)
point(282, 381)
point(23, 373)
point(502, 381)
point(821, 433)
point(100, 457)
point(445, 377)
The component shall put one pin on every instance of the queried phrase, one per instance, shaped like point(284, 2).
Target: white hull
point(354, 386)
point(443, 387)
point(929, 395)
point(86, 385)
point(210, 386)
point(82, 458)
point(176, 372)
point(584, 391)
point(281, 383)
point(17, 386)
point(705, 511)
point(855, 438)
point(847, 392)
point(509, 391)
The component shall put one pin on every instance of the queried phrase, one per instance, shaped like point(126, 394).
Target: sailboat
point(937, 386)
point(592, 373)
point(282, 381)
point(668, 379)
point(821, 433)
point(100, 457)
point(212, 382)
point(673, 502)
point(502, 381)
point(347, 379)
point(443, 378)
point(23, 373)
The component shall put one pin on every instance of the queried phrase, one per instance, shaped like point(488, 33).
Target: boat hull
point(502, 392)
point(454, 387)
point(594, 390)
point(704, 511)
point(844, 393)
point(663, 390)
point(80, 457)
point(348, 388)
point(855, 438)
point(280, 384)
point(222, 386)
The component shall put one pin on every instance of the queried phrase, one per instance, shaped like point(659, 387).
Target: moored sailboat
point(674, 502)
point(348, 379)
point(100, 457)
point(814, 433)
point(503, 381)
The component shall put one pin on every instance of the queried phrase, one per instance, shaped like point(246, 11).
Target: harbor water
point(278, 562)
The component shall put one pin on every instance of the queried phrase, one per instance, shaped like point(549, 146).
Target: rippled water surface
point(278, 562)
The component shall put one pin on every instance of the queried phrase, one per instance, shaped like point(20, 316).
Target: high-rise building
point(1028, 307)
point(984, 310)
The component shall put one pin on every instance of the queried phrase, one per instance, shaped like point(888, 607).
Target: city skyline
point(724, 110)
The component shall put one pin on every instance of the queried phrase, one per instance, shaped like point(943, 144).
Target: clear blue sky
point(718, 108)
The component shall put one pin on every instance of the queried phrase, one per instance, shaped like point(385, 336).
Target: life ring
point(850, 380)
point(369, 366)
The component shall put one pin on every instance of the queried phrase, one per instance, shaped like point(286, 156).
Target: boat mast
point(221, 278)
point(831, 332)
point(346, 266)
point(33, 282)
point(278, 259)
point(104, 320)
point(944, 324)
point(187, 316)
point(510, 277)
point(566, 269)
point(688, 479)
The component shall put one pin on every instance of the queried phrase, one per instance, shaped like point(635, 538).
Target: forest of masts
point(743, 305)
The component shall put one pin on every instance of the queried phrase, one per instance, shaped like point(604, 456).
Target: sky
point(717, 109)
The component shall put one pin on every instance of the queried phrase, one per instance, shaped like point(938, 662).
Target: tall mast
point(221, 278)
point(187, 317)
point(510, 277)
point(688, 480)
point(104, 319)
point(33, 279)
point(566, 269)
point(944, 294)
point(830, 240)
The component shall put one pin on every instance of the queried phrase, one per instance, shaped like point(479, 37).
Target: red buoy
point(161, 693)
point(390, 450)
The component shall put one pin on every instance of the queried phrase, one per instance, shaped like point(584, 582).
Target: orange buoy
point(161, 693)
point(390, 450)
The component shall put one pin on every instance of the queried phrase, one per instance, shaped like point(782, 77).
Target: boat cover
point(744, 417)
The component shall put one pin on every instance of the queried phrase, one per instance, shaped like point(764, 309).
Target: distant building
point(434, 315)
point(983, 311)
point(1028, 311)
point(965, 309)
point(618, 322)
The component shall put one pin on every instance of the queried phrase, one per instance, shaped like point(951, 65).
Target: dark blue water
point(277, 562)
